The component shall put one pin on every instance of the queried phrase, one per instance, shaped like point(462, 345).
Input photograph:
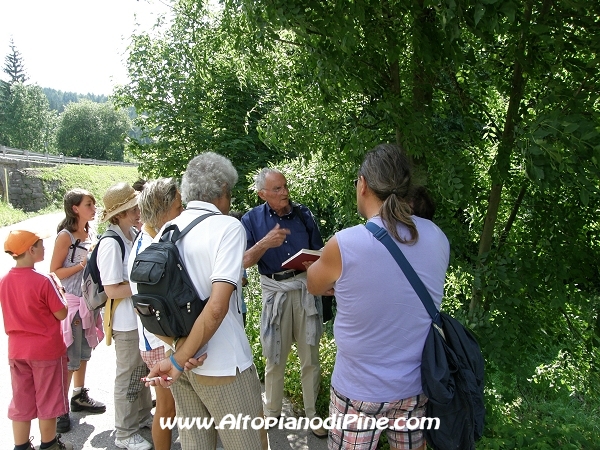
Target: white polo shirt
point(113, 270)
point(212, 252)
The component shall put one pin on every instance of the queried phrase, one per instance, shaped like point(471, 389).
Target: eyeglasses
point(356, 182)
point(278, 190)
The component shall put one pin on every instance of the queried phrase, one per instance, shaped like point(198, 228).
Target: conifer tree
point(13, 65)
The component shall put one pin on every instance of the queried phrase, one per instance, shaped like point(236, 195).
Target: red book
point(295, 262)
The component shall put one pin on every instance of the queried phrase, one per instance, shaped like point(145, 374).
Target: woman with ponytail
point(381, 324)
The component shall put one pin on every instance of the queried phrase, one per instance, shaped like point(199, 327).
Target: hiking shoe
point(135, 442)
point(63, 423)
point(59, 445)
point(320, 432)
point(31, 447)
point(83, 402)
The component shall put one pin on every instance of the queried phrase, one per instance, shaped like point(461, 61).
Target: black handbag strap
point(383, 236)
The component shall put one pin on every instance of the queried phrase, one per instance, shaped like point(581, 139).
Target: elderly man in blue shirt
point(276, 230)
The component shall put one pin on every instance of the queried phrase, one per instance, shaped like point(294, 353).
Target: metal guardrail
point(26, 155)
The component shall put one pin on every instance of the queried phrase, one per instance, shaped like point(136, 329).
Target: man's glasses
point(278, 190)
point(356, 182)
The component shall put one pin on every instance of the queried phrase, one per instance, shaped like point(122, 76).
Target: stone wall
point(25, 189)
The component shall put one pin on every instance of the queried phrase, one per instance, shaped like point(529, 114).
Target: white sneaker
point(135, 442)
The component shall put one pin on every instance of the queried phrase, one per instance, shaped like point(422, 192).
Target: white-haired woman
point(159, 202)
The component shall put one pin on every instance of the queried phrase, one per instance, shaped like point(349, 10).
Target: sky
point(74, 45)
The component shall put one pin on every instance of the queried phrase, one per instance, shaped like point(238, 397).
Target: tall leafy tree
point(192, 95)
point(25, 120)
point(497, 104)
point(463, 86)
point(93, 130)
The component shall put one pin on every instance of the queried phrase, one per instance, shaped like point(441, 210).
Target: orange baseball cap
point(19, 241)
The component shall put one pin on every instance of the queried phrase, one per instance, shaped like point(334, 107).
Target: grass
point(96, 179)
point(59, 180)
point(10, 215)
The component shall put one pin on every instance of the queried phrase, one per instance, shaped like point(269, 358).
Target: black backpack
point(92, 289)
point(167, 301)
point(452, 368)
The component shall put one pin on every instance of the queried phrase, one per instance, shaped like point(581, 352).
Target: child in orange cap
point(32, 308)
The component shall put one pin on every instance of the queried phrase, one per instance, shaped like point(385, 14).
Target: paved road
point(96, 431)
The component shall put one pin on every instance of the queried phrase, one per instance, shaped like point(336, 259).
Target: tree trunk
point(500, 169)
point(513, 215)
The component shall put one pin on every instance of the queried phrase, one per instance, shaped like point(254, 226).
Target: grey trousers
point(133, 401)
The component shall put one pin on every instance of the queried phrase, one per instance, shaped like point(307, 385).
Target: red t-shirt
point(29, 300)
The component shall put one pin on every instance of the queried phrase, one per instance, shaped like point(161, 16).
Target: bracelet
point(81, 264)
point(175, 363)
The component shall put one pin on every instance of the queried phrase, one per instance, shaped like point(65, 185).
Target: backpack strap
point(92, 266)
point(179, 235)
point(117, 238)
point(383, 236)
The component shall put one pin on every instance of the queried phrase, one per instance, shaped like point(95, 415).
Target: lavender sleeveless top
point(77, 252)
point(381, 324)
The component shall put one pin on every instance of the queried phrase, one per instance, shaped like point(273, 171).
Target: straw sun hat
point(118, 198)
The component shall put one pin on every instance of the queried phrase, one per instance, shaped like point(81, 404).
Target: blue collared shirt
point(262, 219)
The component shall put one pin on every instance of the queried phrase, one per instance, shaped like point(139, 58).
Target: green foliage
point(496, 102)
point(92, 130)
point(10, 215)
point(25, 121)
point(540, 419)
point(191, 95)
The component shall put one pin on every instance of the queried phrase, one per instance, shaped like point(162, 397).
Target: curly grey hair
point(156, 199)
point(261, 177)
point(208, 176)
